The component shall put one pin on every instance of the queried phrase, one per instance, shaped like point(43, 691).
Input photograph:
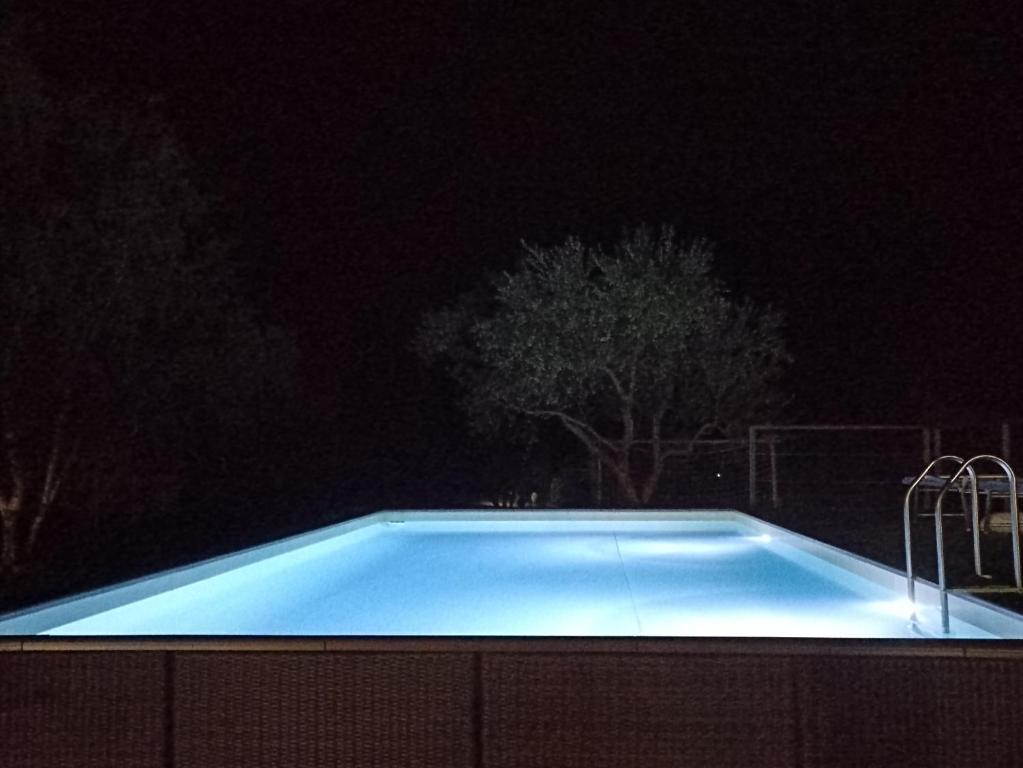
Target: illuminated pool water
point(547, 574)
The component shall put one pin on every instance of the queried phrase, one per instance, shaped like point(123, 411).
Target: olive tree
point(636, 350)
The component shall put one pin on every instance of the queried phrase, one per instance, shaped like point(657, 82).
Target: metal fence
point(796, 465)
point(837, 465)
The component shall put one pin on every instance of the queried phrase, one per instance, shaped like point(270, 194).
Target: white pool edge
point(39, 618)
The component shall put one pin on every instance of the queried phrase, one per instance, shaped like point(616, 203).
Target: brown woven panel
point(911, 711)
point(81, 710)
point(323, 709)
point(596, 710)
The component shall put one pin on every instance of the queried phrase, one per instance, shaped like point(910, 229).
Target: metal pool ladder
point(965, 467)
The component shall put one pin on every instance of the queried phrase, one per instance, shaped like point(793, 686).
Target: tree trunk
point(629, 488)
point(56, 467)
point(657, 455)
point(614, 458)
point(49, 491)
point(11, 506)
point(33, 531)
point(9, 548)
point(623, 475)
point(652, 480)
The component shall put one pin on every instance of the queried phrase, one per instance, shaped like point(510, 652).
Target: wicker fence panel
point(520, 709)
point(909, 712)
point(645, 711)
point(82, 710)
point(324, 709)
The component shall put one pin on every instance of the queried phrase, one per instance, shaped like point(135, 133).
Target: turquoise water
point(590, 578)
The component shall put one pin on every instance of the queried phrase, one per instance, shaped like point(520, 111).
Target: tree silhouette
point(124, 340)
point(636, 347)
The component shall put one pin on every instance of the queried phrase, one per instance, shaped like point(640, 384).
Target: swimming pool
point(537, 573)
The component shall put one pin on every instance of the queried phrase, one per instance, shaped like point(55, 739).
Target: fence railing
point(794, 464)
point(769, 436)
point(810, 460)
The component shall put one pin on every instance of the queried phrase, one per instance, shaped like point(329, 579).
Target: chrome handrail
point(1010, 476)
point(908, 528)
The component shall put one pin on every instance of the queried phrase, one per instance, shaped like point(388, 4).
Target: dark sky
point(858, 165)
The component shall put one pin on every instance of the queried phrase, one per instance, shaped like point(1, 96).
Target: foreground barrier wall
point(498, 703)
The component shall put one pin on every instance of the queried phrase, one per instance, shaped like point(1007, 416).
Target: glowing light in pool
point(762, 538)
point(696, 546)
point(901, 607)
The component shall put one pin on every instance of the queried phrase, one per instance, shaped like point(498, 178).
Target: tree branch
point(627, 404)
point(12, 502)
point(592, 434)
point(658, 457)
point(617, 383)
point(701, 432)
point(634, 365)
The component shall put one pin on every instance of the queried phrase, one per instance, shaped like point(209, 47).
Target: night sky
point(858, 165)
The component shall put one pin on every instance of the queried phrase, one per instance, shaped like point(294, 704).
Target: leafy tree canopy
point(125, 343)
point(634, 347)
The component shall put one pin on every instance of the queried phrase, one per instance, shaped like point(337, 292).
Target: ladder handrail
point(908, 528)
point(938, 533)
